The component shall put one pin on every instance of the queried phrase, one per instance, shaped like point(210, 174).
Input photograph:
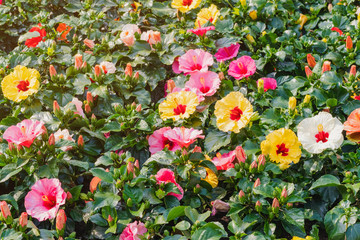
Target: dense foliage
point(182, 119)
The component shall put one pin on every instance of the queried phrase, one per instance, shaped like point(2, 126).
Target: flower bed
point(181, 119)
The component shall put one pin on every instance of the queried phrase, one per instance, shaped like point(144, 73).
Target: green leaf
point(175, 213)
point(192, 214)
point(353, 232)
point(81, 164)
point(331, 102)
point(293, 221)
point(215, 140)
point(11, 199)
point(210, 231)
point(135, 193)
point(325, 181)
point(28, 35)
point(183, 225)
point(265, 190)
point(164, 157)
point(75, 192)
point(80, 82)
point(102, 174)
point(334, 222)
point(105, 199)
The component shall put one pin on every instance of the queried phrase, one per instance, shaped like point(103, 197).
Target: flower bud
point(68, 195)
point(89, 98)
point(253, 15)
point(307, 99)
point(261, 161)
point(56, 106)
point(221, 76)
point(275, 205)
point(110, 219)
point(128, 70)
point(11, 146)
point(352, 70)
point(349, 43)
point(52, 71)
point(292, 103)
point(97, 70)
point(51, 140)
point(94, 183)
point(219, 206)
point(136, 164)
point(257, 183)
point(78, 61)
point(250, 39)
point(308, 72)
point(241, 196)
point(170, 85)
point(289, 205)
point(284, 193)
point(310, 60)
point(258, 206)
point(130, 169)
point(136, 76)
point(326, 66)
point(138, 108)
point(260, 85)
point(23, 220)
point(240, 154)
point(5, 211)
point(80, 141)
point(60, 221)
point(89, 43)
point(253, 167)
point(197, 149)
point(84, 65)
point(129, 202)
point(87, 109)
point(243, 3)
point(302, 20)
point(330, 7)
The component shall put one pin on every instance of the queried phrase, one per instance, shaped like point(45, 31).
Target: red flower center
point(321, 136)
point(204, 89)
point(180, 109)
point(48, 201)
point(196, 65)
point(23, 86)
point(242, 68)
point(235, 114)
point(187, 2)
point(281, 149)
point(168, 144)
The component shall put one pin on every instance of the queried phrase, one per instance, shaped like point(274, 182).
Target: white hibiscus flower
point(320, 132)
point(108, 67)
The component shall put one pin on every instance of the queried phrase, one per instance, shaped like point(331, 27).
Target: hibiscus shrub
point(179, 119)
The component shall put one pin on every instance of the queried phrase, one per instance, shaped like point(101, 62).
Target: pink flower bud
point(349, 43)
point(138, 108)
point(130, 167)
point(78, 61)
point(136, 164)
point(308, 71)
point(241, 194)
point(11, 146)
point(221, 76)
point(97, 70)
point(170, 85)
point(84, 65)
point(52, 71)
point(261, 160)
point(284, 193)
point(352, 71)
point(110, 219)
point(5, 210)
point(128, 70)
point(275, 203)
point(87, 108)
point(89, 98)
point(89, 43)
point(68, 195)
point(240, 154)
point(197, 149)
point(60, 220)
point(51, 140)
point(23, 220)
point(80, 141)
point(56, 106)
point(136, 76)
point(257, 183)
point(326, 66)
point(253, 165)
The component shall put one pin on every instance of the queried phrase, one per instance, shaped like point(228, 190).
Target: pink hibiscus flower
point(44, 199)
point(203, 83)
point(165, 175)
point(175, 66)
point(158, 141)
point(195, 60)
point(224, 161)
point(133, 231)
point(184, 137)
point(24, 133)
point(227, 53)
point(269, 83)
point(201, 31)
point(242, 67)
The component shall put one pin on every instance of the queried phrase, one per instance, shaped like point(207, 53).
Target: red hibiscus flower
point(33, 42)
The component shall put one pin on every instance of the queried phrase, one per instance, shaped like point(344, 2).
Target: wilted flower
point(320, 132)
point(133, 231)
point(227, 53)
point(21, 83)
point(233, 112)
point(241, 68)
point(24, 132)
point(44, 199)
point(219, 206)
point(302, 20)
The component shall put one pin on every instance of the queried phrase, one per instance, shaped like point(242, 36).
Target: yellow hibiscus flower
point(178, 105)
point(21, 83)
point(299, 238)
point(211, 178)
point(283, 146)
point(233, 112)
point(210, 14)
point(185, 5)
